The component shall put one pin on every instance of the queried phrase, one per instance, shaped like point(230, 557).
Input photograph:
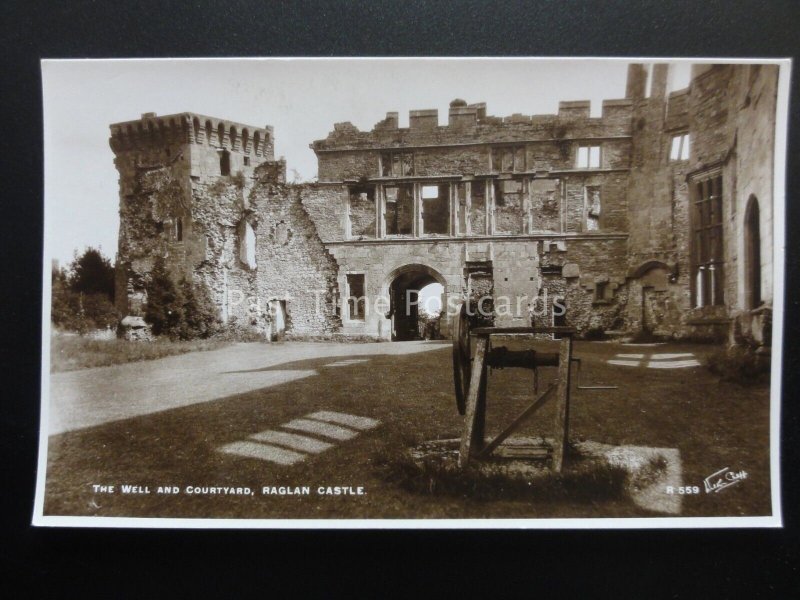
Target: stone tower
point(184, 181)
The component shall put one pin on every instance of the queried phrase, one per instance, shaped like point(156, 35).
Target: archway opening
point(752, 252)
point(416, 294)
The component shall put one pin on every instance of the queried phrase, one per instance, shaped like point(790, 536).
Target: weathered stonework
point(732, 140)
point(598, 214)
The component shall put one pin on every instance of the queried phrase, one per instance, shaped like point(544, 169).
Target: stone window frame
point(486, 184)
point(603, 292)
point(588, 205)
point(419, 199)
point(498, 200)
point(347, 317)
point(383, 232)
point(680, 146)
point(225, 164)
point(348, 223)
point(707, 241)
point(178, 229)
point(589, 163)
point(515, 150)
point(391, 154)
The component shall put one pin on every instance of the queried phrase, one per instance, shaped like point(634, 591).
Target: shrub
point(238, 180)
point(199, 313)
point(164, 310)
point(594, 334)
point(184, 311)
point(92, 273)
point(234, 331)
point(82, 295)
point(741, 365)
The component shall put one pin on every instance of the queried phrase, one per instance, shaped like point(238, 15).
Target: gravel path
point(90, 397)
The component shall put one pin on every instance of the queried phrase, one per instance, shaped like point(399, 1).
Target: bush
point(740, 365)
point(184, 311)
point(199, 313)
point(92, 273)
point(234, 331)
point(82, 296)
point(238, 180)
point(594, 334)
point(164, 309)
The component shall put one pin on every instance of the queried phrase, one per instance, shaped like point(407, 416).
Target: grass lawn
point(713, 425)
point(73, 352)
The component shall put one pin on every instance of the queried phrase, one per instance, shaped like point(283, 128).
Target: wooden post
point(475, 419)
point(562, 403)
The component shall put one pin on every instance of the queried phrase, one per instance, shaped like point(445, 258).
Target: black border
point(677, 564)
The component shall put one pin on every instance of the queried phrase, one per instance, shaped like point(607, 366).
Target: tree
point(184, 311)
point(64, 307)
point(82, 295)
point(164, 302)
point(92, 273)
point(200, 316)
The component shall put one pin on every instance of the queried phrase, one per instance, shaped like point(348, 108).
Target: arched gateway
point(403, 285)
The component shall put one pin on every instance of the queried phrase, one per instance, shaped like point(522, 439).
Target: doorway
point(412, 292)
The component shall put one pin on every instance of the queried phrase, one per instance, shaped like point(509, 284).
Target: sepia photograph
point(412, 293)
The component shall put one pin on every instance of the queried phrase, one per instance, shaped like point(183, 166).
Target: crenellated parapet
point(470, 123)
point(153, 132)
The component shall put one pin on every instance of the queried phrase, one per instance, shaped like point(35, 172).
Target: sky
point(300, 98)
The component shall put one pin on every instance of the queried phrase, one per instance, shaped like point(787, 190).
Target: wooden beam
point(562, 404)
point(486, 331)
point(475, 418)
point(525, 414)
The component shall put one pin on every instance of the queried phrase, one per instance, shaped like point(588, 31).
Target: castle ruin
point(656, 216)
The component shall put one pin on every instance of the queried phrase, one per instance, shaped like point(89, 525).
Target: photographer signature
point(722, 479)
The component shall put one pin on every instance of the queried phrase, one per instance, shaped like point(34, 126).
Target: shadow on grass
point(583, 481)
point(712, 424)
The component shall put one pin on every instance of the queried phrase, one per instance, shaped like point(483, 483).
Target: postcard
point(412, 293)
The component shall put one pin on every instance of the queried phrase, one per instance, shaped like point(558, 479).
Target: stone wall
point(293, 264)
point(612, 240)
point(175, 203)
point(729, 134)
point(466, 145)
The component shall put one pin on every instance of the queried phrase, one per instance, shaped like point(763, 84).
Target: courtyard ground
point(71, 352)
point(329, 414)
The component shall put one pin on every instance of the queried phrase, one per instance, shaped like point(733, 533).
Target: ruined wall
point(729, 136)
point(154, 197)
point(176, 203)
point(565, 267)
point(613, 238)
point(659, 253)
point(293, 264)
point(755, 97)
point(589, 274)
point(465, 146)
point(327, 208)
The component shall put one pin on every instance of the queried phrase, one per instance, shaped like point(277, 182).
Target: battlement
point(151, 131)
point(469, 123)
